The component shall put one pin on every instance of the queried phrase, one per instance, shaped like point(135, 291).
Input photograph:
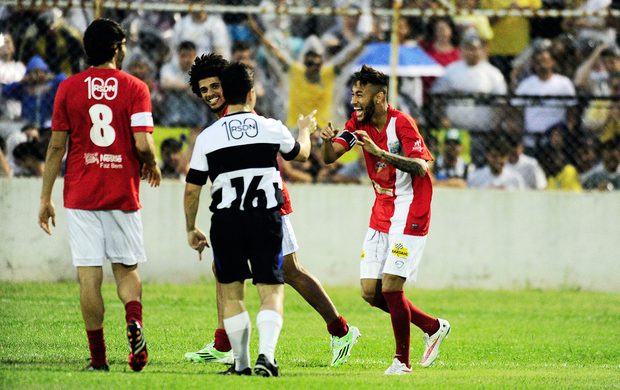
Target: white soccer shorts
point(289, 241)
point(395, 254)
point(96, 235)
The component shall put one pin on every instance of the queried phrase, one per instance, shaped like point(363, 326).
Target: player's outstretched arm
point(146, 152)
point(53, 163)
point(330, 151)
point(414, 166)
point(196, 238)
point(307, 126)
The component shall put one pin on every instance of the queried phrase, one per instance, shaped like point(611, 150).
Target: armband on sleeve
point(346, 139)
point(197, 177)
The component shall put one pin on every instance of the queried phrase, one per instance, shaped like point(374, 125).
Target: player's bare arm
point(307, 126)
point(196, 238)
point(53, 163)
point(146, 152)
point(330, 151)
point(414, 166)
point(5, 168)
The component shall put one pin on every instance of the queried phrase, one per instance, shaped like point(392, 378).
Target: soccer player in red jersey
point(205, 81)
point(396, 160)
point(106, 115)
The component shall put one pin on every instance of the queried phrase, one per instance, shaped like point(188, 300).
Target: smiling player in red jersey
point(396, 159)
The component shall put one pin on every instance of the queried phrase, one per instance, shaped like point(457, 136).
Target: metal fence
point(530, 90)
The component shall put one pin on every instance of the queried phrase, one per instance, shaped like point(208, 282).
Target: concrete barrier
point(477, 239)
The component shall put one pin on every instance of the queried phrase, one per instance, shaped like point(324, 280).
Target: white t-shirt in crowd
point(11, 72)
point(605, 34)
point(480, 78)
point(541, 115)
point(530, 170)
point(208, 36)
point(509, 179)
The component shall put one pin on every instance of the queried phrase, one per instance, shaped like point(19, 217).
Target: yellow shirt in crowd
point(566, 180)
point(512, 34)
point(305, 96)
point(478, 23)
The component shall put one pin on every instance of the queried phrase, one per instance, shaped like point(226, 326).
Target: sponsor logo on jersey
point(91, 158)
point(381, 190)
point(399, 264)
point(379, 166)
point(417, 146)
point(400, 251)
point(394, 147)
point(115, 158)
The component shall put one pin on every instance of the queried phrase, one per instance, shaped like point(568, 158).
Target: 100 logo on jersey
point(236, 129)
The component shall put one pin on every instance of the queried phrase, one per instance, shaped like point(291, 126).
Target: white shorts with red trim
point(289, 241)
point(395, 254)
point(96, 235)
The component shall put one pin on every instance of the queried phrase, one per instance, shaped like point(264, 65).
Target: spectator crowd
point(521, 103)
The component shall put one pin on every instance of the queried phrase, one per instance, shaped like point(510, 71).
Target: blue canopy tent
point(412, 60)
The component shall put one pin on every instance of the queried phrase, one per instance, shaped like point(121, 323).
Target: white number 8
point(102, 134)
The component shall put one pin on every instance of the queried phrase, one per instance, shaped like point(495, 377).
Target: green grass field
point(500, 339)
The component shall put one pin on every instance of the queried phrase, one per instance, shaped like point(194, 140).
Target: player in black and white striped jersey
point(238, 154)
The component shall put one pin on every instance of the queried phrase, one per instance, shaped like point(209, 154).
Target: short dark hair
point(313, 54)
point(29, 126)
point(237, 82)
point(186, 45)
point(205, 66)
point(28, 149)
point(101, 39)
point(172, 145)
point(514, 139)
point(368, 75)
point(240, 46)
point(500, 145)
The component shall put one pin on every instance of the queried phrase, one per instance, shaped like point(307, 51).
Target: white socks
point(269, 324)
point(238, 328)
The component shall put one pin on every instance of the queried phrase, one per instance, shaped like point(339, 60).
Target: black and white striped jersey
point(238, 153)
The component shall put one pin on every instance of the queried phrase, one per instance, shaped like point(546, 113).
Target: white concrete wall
point(478, 239)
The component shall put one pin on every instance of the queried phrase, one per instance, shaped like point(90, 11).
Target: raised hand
point(308, 121)
point(328, 133)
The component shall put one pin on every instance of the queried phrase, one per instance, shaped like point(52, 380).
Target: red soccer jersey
point(403, 201)
point(101, 109)
point(287, 207)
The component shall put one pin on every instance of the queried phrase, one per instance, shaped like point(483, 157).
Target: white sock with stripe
point(238, 328)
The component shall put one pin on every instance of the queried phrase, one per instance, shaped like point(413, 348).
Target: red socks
point(428, 324)
point(338, 327)
point(401, 318)
point(133, 311)
point(96, 344)
point(222, 343)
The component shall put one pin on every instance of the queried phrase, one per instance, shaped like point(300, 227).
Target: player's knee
point(369, 296)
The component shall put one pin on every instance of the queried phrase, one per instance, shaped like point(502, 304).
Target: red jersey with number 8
point(101, 109)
